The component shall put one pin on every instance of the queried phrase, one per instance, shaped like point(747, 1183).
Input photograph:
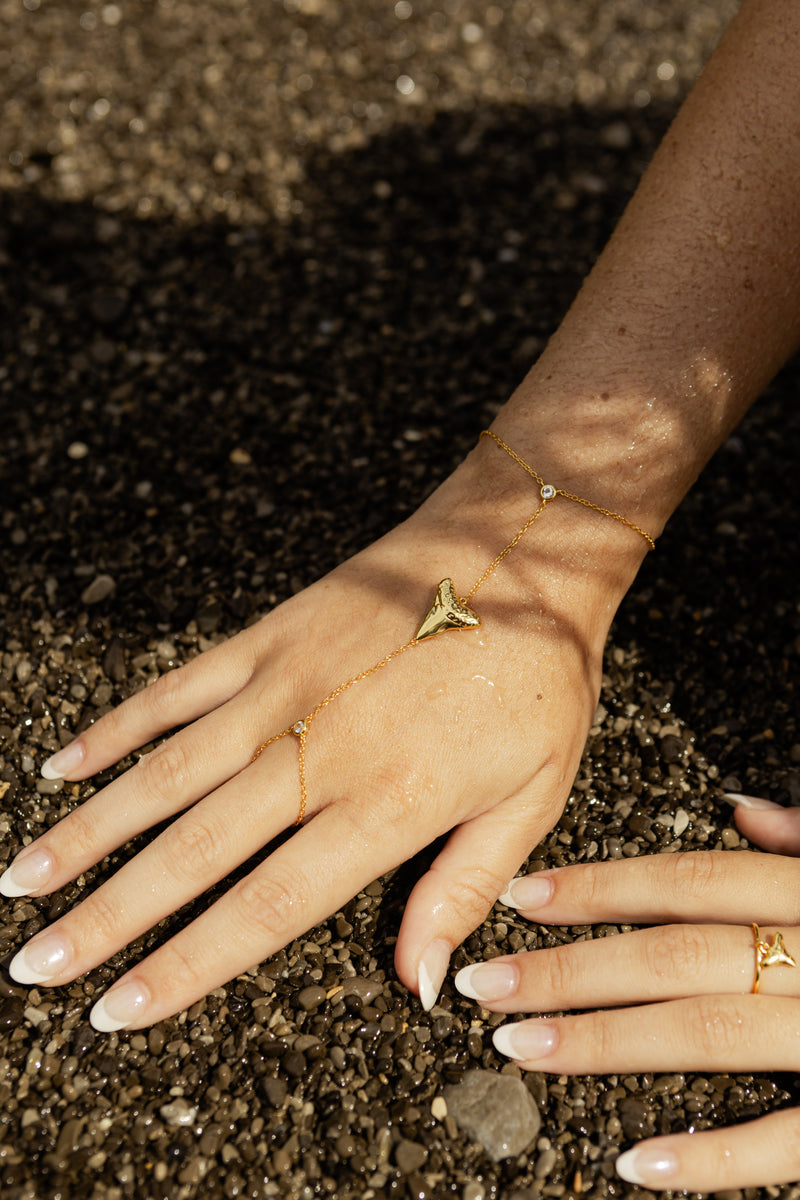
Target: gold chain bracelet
point(447, 612)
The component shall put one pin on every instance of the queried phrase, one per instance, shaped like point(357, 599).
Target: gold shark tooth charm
point(447, 612)
point(769, 954)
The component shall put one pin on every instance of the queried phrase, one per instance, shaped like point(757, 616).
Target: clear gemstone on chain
point(300, 727)
point(548, 491)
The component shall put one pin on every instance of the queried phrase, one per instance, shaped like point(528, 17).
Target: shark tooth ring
point(449, 611)
point(769, 954)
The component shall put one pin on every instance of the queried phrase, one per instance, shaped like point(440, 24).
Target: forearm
point(695, 302)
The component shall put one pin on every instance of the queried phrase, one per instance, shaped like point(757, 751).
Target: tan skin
point(689, 311)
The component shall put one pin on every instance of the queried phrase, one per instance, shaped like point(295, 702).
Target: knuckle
point(389, 805)
point(81, 828)
point(602, 1036)
point(472, 896)
point(691, 873)
point(678, 952)
point(162, 694)
point(718, 1024)
point(592, 888)
point(102, 917)
point(560, 973)
point(193, 847)
point(272, 903)
point(179, 970)
point(166, 771)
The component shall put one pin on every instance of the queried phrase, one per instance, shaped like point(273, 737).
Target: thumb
point(767, 824)
point(476, 865)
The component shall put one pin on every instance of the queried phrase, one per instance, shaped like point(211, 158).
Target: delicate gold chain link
point(548, 493)
point(503, 553)
point(606, 512)
point(301, 728)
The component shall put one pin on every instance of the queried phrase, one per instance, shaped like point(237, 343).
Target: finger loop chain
point(769, 954)
point(448, 611)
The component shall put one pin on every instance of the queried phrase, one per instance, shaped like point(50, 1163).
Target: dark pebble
point(11, 1011)
point(310, 998)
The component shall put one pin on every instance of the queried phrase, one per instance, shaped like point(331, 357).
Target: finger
point(756, 1154)
point(183, 769)
point(192, 854)
point(776, 829)
point(176, 698)
point(463, 883)
point(732, 1033)
point(663, 963)
point(703, 885)
point(311, 875)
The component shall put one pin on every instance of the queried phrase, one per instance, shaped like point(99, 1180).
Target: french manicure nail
point(528, 891)
point(40, 960)
point(526, 1040)
point(27, 873)
point(739, 801)
point(431, 972)
point(119, 1007)
point(647, 1165)
point(488, 981)
point(59, 765)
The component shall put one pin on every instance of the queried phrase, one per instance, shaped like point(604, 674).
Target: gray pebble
point(409, 1156)
point(101, 587)
point(496, 1110)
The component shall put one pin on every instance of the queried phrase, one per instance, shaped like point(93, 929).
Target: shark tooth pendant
point(447, 612)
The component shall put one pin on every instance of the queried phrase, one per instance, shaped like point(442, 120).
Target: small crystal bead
point(299, 728)
point(548, 492)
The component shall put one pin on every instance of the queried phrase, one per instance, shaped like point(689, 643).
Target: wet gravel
point(266, 271)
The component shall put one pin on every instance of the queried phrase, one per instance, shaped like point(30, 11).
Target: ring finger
point(667, 962)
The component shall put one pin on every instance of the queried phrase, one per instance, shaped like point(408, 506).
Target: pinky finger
point(757, 1154)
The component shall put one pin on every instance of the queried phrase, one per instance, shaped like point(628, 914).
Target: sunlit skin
point(690, 310)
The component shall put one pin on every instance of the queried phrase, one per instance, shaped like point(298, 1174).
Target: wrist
point(571, 559)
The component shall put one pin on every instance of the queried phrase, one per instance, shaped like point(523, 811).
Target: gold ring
point(772, 954)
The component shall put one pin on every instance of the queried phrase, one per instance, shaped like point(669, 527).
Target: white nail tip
point(503, 1038)
point(59, 765)
point(11, 889)
point(21, 972)
point(102, 1021)
point(428, 994)
point(463, 982)
point(751, 802)
point(625, 1167)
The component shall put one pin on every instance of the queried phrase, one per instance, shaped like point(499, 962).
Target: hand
point(478, 732)
point(692, 982)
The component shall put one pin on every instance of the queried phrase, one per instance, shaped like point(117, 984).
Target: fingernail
point(431, 972)
point(647, 1165)
point(40, 960)
point(526, 1040)
point(739, 801)
point(119, 1007)
point(528, 891)
point(59, 765)
point(26, 874)
point(488, 981)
